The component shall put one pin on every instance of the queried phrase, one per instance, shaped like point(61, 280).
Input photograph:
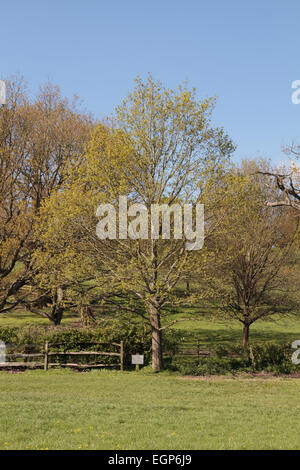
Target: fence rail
point(47, 353)
point(193, 349)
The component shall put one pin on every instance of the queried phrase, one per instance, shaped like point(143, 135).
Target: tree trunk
point(187, 287)
point(87, 316)
point(157, 361)
point(57, 310)
point(56, 317)
point(245, 335)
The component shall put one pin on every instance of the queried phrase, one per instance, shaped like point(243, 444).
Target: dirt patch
point(17, 371)
point(206, 378)
point(245, 375)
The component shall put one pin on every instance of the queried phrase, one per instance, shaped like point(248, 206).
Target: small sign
point(137, 359)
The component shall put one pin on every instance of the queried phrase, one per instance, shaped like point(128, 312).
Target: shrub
point(9, 335)
point(136, 338)
point(268, 357)
point(214, 366)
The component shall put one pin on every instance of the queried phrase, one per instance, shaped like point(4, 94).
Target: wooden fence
point(192, 350)
point(47, 354)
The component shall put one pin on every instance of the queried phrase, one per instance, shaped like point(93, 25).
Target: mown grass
point(212, 332)
point(209, 330)
point(20, 317)
point(129, 410)
point(62, 409)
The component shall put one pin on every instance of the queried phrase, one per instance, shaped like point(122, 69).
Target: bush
point(214, 366)
point(268, 357)
point(136, 338)
point(8, 335)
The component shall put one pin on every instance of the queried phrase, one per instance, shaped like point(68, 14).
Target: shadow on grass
point(211, 338)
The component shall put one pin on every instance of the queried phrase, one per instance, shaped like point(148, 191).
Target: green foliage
point(9, 334)
point(268, 357)
point(215, 366)
point(135, 336)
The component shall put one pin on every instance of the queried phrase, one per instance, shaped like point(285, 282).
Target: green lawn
point(20, 317)
point(207, 329)
point(211, 332)
point(129, 410)
point(62, 409)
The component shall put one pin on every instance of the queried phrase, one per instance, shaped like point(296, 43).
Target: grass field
point(129, 410)
point(25, 318)
point(212, 333)
point(207, 329)
point(62, 409)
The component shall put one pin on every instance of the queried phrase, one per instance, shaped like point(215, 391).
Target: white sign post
point(137, 359)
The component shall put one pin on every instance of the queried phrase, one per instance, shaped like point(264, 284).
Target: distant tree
point(37, 139)
point(251, 263)
point(286, 188)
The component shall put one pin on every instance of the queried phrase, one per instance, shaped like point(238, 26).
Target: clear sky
point(245, 52)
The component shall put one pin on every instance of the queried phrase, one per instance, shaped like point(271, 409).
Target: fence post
point(122, 356)
point(46, 356)
point(198, 351)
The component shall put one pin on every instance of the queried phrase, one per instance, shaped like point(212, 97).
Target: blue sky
point(245, 52)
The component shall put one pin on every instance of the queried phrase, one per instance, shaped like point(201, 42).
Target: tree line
point(58, 164)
